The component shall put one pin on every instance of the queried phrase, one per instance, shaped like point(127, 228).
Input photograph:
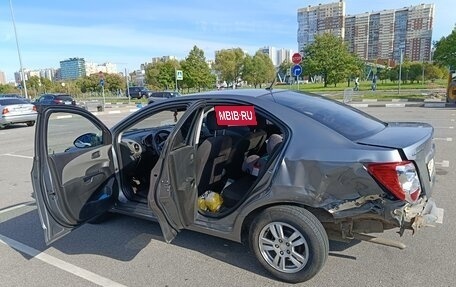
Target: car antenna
point(273, 81)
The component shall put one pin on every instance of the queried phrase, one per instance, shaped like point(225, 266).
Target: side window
point(165, 119)
point(64, 129)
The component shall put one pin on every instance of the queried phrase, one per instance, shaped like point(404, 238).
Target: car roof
point(239, 92)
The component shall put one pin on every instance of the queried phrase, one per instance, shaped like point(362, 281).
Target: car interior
point(221, 153)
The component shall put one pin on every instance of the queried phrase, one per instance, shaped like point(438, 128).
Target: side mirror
point(87, 140)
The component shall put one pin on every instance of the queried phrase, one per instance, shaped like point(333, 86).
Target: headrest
point(211, 122)
point(273, 141)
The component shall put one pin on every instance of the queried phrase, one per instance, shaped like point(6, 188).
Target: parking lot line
point(444, 163)
point(18, 155)
point(58, 263)
point(8, 209)
point(444, 139)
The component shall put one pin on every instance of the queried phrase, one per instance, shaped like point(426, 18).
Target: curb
point(400, 104)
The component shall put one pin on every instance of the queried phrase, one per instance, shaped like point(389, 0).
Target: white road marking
point(359, 105)
point(133, 110)
point(2, 133)
point(452, 120)
point(58, 263)
point(394, 105)
point(16, 207)
point(443, 127)
point(114, 112)
point(64, 117)
point(18, 155)
point(444, 163)
point(444, 139)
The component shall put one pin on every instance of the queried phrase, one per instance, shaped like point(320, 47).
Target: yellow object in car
point(211, 201)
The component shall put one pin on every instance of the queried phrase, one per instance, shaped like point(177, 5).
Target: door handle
point(95, 154)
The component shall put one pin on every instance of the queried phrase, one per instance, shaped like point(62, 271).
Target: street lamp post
point(400, 72)
point(18, 51)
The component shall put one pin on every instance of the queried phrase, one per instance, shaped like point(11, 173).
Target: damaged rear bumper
point(421, 214)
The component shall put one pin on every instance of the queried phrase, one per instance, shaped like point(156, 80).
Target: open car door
point(73, 170)
point(173, 190)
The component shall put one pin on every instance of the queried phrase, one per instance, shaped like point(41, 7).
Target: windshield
point(349, 122)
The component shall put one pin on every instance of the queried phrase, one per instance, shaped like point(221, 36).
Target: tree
point(416, 71)
point(197, 73)
point(329, 57)
point(229, 64)
point(114, 82)
point(258, 69)
point(445, 50)
point(432, 72)
point(285, 69)
point(162, 74)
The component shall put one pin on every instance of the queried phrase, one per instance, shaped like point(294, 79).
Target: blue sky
point(129, 33)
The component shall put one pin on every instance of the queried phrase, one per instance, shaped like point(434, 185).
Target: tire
point(30, 124)
point(303, 256)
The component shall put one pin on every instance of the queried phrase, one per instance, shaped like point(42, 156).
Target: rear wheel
point(30, 123)
point(290, 242)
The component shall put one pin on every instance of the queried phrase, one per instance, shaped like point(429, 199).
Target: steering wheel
point(159, 140)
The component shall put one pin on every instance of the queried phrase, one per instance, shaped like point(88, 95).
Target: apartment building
point(317, 20)
point(381, 35)
point(94, 68)
point(357, 34)
point(2, 78)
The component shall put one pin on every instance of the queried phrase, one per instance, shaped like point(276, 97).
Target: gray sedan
point(279, 170)
point(16, 111)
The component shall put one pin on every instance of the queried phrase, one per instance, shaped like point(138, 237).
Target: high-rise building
point(2, 78)
point(277, 56)
point(357, 34)
point(94, 68)
point(374, 36)
point(72, 69)
point(317, 20)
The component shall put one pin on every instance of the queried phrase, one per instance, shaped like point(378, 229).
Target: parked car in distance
point(16, 111)
point(55, 99)
point(138, 92)
point(14, 96)
point(163, 95)
point(325, 171)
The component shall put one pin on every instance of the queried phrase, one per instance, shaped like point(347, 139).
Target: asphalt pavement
point(127, 251)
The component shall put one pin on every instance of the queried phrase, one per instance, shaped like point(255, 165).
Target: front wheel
point(290, 242)
point(30, 123)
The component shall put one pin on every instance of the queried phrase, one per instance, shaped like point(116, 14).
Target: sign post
point(179, 77)
point(102, 83)
point(296, 70)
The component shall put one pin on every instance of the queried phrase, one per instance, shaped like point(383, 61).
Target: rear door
point(173, 190)
point(73, 170)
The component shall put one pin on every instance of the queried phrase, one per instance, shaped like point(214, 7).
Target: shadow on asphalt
point(123, 237)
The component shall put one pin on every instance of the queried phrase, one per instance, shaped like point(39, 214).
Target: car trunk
point(18, 109)
point(414, 141)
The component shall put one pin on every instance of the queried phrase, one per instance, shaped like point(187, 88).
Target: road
point(127, 251)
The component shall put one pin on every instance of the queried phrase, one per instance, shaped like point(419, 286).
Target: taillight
point(58, 101)
point(5, 111)
point(34, 108)
point(400, 178)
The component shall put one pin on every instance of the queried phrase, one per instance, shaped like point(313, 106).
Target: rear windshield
point(349, 122)
point(64, 98)
point(6, 102)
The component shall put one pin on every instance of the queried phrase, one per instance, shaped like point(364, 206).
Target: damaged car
point(279, 170)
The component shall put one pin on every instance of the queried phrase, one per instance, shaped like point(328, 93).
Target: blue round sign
point(296, 70)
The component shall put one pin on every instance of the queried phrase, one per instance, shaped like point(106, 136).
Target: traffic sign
point(179, 75)
point(296, 58)
point(296, 70)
